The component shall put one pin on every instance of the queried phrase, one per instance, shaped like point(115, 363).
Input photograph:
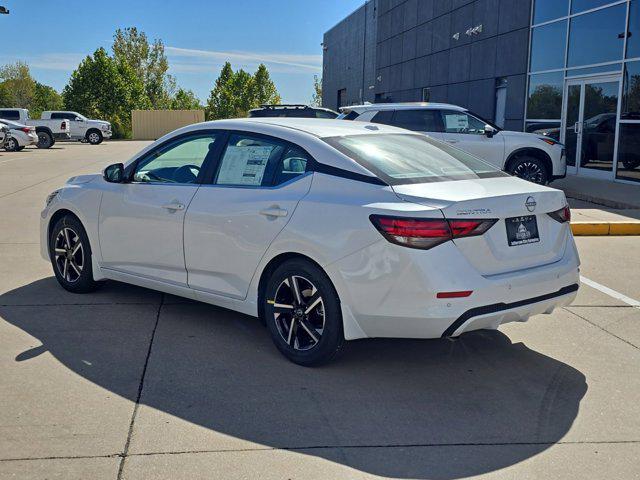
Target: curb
point(583, 229)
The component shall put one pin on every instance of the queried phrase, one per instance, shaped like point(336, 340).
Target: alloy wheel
point(69, 254)
point(94, 137)
point(11, 145)
point(530, 171)
point(298, 310)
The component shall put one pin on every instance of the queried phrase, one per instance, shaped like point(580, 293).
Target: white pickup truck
point(82, 128)
point(48, 130)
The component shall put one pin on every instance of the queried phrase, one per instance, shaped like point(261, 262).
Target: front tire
point(45, 140)
point(531, 169)
point(12, 145)
point(70, 254)
point(94, 137)
point(302, 312)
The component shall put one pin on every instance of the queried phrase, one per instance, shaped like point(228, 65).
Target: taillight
point(425, 233)
point(63, 126)
point(563, 215)
point(26, 130)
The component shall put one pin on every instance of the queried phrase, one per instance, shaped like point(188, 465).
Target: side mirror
point(489, 131)
point(114, 173)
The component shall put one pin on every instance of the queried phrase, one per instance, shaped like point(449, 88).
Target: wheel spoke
point(60, 251)
point(291, 326)
point(75, 267)
point(296, 289)
point(65, 271)
point(312, 302)
point(310, 330)
point(76, 248)
point(67, 240)
point(282, 308)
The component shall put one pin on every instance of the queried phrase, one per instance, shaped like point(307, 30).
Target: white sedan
point(327, 231)
point(21, 136)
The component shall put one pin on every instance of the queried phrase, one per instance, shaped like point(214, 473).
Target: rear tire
point(94, 137)
point(531, 169)
point(45, 140)
point(20, 148)
point(302, 312)
point(70, 254)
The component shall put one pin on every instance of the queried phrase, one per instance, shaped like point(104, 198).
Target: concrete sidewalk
point(619, 196)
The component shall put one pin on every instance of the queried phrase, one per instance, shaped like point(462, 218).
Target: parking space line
point(612, 293)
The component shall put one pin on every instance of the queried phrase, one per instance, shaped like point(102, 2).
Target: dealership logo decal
point(530, 204)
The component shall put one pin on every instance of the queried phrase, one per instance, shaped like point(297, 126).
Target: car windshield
point(405, 158)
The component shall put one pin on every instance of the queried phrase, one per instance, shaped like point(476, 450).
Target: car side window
point(178, 162)
point(292, 164)
point(57, 116)
point(246, 159)
point(418, 120)
point(461, 122)
point(10, 114)
point(324, 114)
point(384, 117)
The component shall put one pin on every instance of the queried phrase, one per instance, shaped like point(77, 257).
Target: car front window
point(405, 158)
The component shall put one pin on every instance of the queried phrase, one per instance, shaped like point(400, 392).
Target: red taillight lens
point(563, 215)
point(426, 233)
point(63, 126)
point(26, 130)
point(470, 228)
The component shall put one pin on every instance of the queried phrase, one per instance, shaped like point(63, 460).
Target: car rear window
point(405, 158)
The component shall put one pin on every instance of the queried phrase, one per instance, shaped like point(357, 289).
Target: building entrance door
point(590, 117)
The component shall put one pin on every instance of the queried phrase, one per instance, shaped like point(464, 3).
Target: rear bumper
point(391, 291)
point(490, 316)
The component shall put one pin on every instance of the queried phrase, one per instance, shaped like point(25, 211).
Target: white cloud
point(203, 60)
point(47, 61)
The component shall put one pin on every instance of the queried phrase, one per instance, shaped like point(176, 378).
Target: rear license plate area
point(522, 230)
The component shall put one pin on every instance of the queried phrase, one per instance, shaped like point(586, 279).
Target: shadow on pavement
point(502, 402)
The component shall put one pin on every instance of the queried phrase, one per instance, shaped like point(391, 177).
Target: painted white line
point(610, 292)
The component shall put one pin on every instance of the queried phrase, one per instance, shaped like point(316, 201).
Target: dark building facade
point(567, 68)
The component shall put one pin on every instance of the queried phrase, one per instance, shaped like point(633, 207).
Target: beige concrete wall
point(153, 124)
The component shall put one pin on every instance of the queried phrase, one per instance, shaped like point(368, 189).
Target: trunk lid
point(498, 198)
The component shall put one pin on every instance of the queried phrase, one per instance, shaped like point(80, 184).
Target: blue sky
point(52, 36)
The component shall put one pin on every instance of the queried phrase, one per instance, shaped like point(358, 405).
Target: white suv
point(536, 158)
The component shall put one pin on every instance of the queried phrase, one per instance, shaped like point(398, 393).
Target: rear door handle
point(274, 212)
point(175, 206)
point(452, 141)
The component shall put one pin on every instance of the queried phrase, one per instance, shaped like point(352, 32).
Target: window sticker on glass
point(457, 122)
point(244, 165)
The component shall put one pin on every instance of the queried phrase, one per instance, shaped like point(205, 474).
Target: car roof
point(289, 107)
point(316, 127)
point(402, 106)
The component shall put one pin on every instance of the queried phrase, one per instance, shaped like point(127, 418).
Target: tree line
point(134, 75)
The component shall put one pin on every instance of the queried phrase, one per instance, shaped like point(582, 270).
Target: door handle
point(452, 141)
point(274, 212)
point(175, 206)
point(577, 127)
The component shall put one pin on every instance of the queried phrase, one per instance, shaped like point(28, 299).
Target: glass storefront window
point(545, 96)
point(545, 10)
point(547, 46)
point(631, 92)
point(580, 72)
point(629, 152)
point(583, 5)
point(633, 40)
point(595, 37)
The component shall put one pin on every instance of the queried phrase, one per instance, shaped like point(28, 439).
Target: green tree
point(148, 60)
point(185, 100)
point(235, 93)
point(104, 88)
point(264, 90)
point(45, 98)
point(18, 84)
point(220, 103)
point(316, 97)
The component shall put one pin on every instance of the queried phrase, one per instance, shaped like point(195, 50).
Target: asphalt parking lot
point(129, 383)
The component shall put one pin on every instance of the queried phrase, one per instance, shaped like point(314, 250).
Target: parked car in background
point(21, 136)
point(82, 128)
point(327, 230)
point(539, 159)
point(291, 110)
point(48, 131)
point(4, 134)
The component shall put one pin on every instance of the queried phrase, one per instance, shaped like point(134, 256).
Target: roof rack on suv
point(284, 105)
